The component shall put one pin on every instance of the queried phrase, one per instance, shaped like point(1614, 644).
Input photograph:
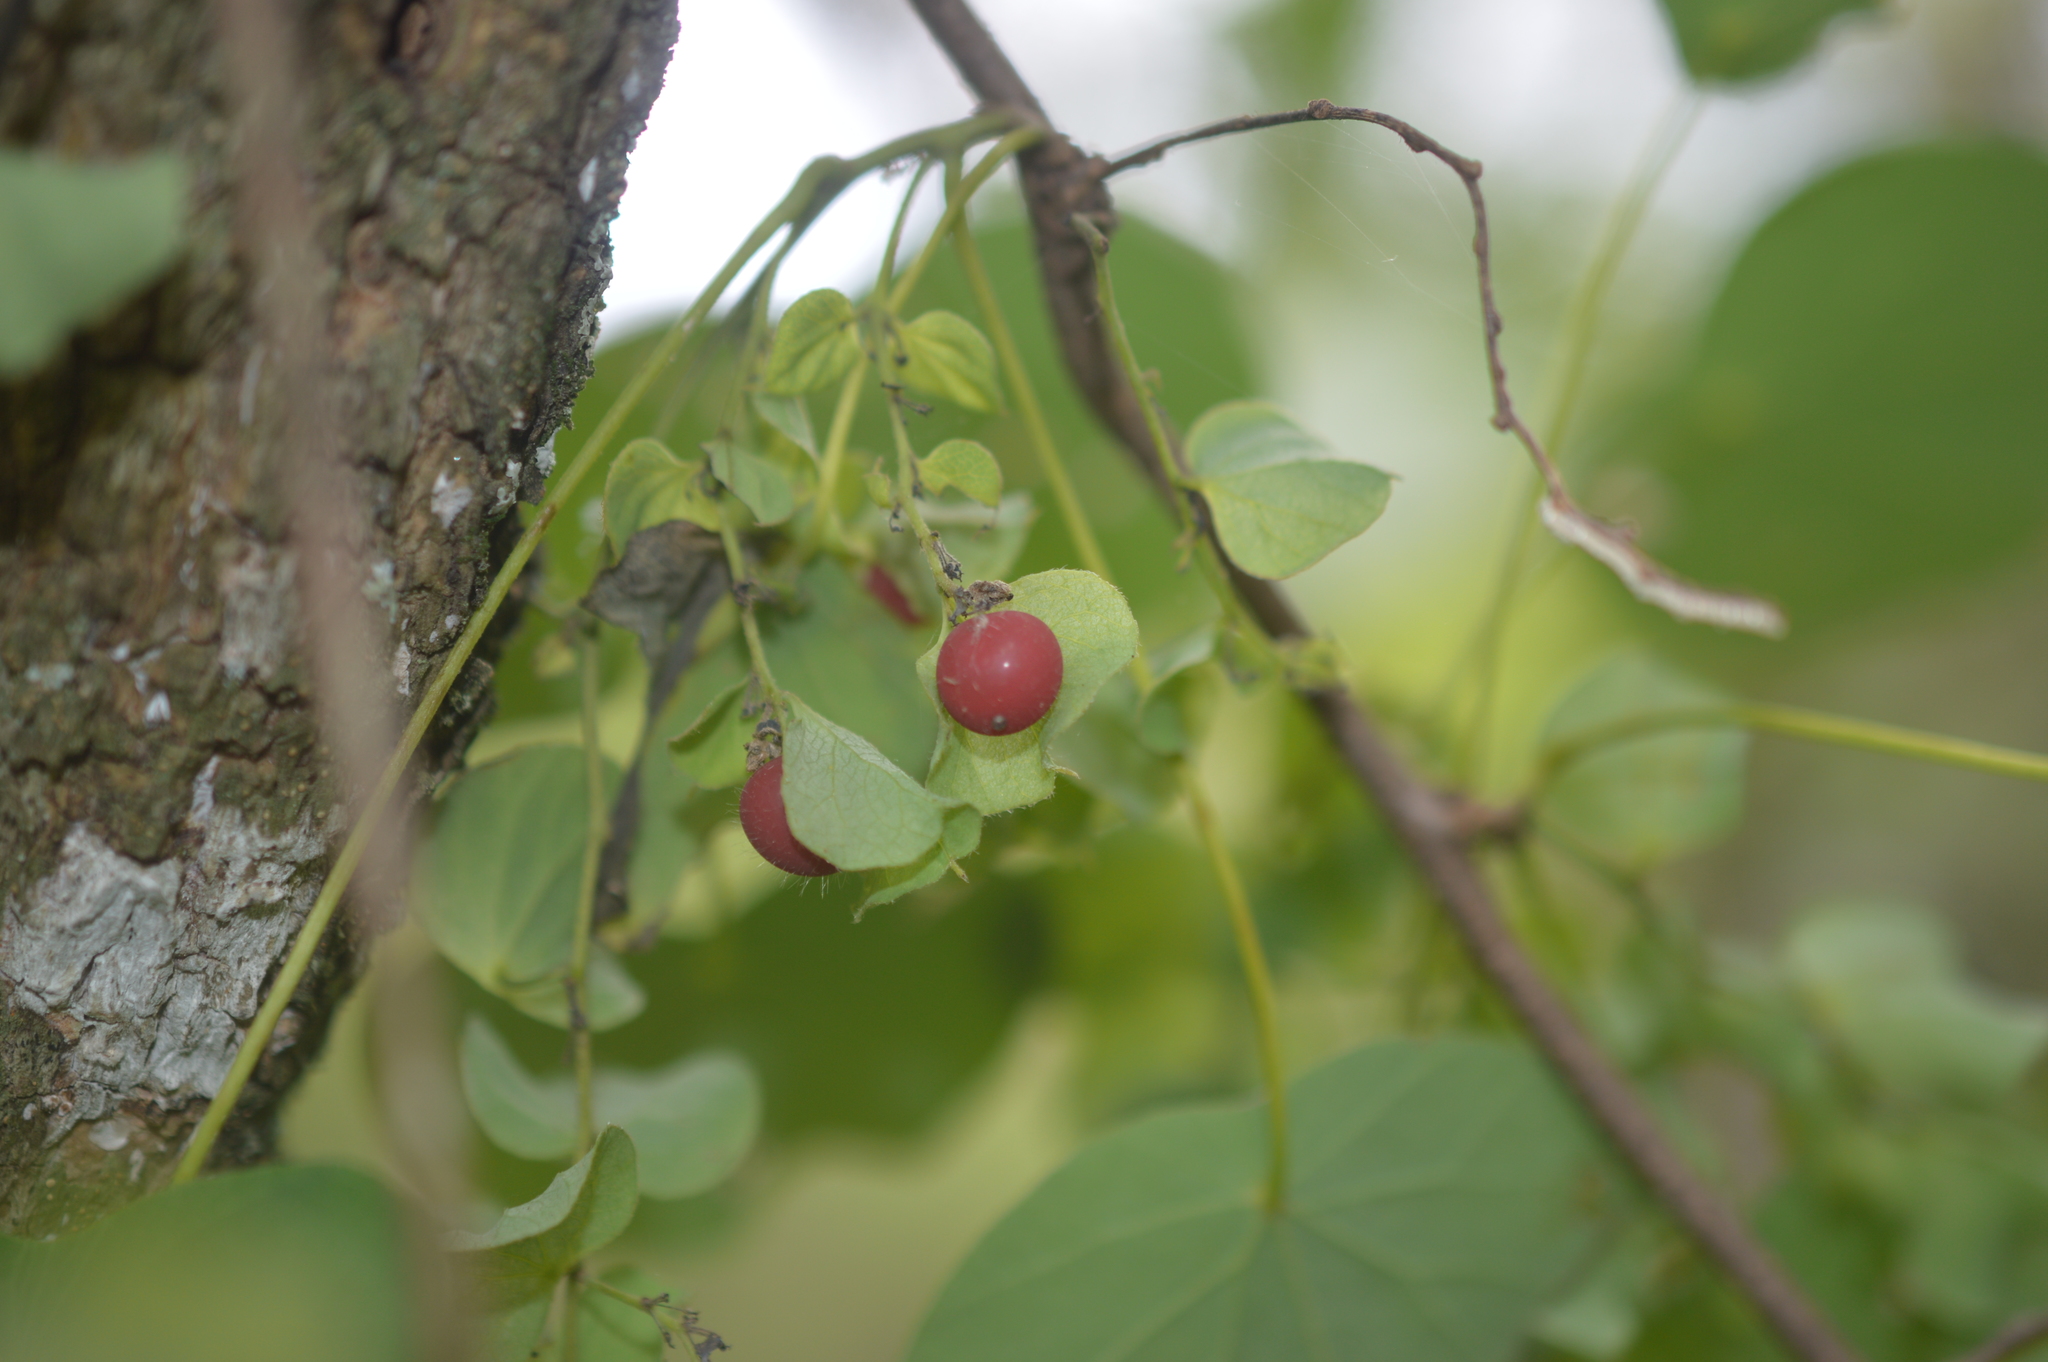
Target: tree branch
point(1423, 819)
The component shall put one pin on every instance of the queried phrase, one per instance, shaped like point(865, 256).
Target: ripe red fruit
point(883, 588)
point(1000, 672)
point(766, 824)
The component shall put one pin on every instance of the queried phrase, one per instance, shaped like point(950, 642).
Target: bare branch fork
point(1059, 180)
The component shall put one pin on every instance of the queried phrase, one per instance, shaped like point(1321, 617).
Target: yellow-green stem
point(888, 266)
point(597, 826)
point(988, 165)
point(1258, 980)
point(906, 501)
point(736, 564)
point(1812, 725)
point(824, 528)
point(820, 180)
point(1018, 380)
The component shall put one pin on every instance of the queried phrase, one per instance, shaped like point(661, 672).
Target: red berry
point(766, 824)
point(884, 589)
point(1000, 672)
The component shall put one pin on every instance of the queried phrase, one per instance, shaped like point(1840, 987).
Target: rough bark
point(167, 808)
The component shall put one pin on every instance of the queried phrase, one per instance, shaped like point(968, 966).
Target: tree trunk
point(167, 807)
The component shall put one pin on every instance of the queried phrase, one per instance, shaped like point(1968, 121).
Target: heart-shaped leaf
point(1652, 797)
point(946, 356)
point(588, 1205)
point(758, 484)
point(1430, 1212)
point(1281, 499)
point(1887, 981)
point(648, 485)
point(495, 884)
point(966, 465)
point(75, 240)
point(960, 838)
point(1098, 637)
point(848, 802)
point(790, 416)
point(713, 750)
point(691, 1121)
point(1735, 40)
point(816, 342)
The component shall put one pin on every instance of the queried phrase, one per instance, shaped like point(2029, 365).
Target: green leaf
point(1169, 717)
point(1852, 436)
point(790, 416)
point(495, 884)
point(1281, 499)
point(1098, 637)
point(713, 750)
point(588, 1205)
point(305, 1262)
point(758, 484)
point(76, 239)
point(816, 342)
point(965, 465)
point(944, 355)
point(960, 838)
point(1106, 753)
point(664, 848)
point(848, 802)
point(1886, 980)
point(691, 1121)
point(880, 490)
point(1645, 799)
point(648, 485)
point(1431, 1212)
point(1736, 40)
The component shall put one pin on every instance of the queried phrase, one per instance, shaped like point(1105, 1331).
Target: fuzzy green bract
point(1430, 1214)
point(966, 465)
point(848, 802)
point(516, 1263)
point(1886, 980)
point(648, 485)
point(495, 884)
point(692, 1121)
point(960, 837)
point(1736, 40)
point(75, 240)
point(713, 750)
point(948, 358)
point(1281, 498)
point(305, 1262)
point(791, 417)
point(758, 484)
point(1098, 637)
point(1644, 800)
point(816, 342)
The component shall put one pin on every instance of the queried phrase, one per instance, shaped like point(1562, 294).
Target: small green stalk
point(1258, 978)
point(820, 182)
point(1258, 974)
point(736, 564)
point(824, 529)
point(956, 207)
point(906, 501)
point(888, 265)
point(1808, 724)
point(597, 828)
point(1018, 379)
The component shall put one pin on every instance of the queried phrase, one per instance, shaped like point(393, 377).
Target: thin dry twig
point(2010, 1341)
point(1425, 821)
point(1613, 545)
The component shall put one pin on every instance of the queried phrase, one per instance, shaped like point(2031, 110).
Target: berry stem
point(956, 207)
point(906, 502)
point(736, 564)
